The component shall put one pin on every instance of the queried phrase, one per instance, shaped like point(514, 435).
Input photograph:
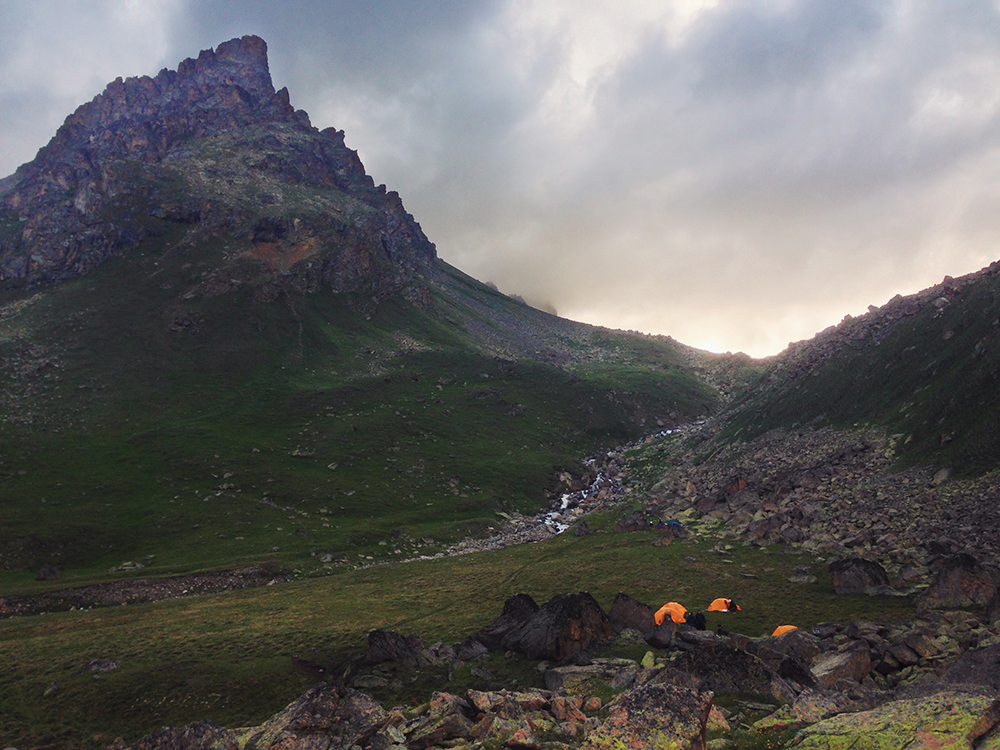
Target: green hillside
point(931, 378)
point(217, 431)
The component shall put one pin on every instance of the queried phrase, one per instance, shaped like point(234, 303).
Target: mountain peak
point(212, 145)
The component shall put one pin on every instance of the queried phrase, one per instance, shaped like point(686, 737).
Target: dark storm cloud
point(735, 174)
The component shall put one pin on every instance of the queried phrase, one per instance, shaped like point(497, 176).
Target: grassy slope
point(933, 380)
point(213, 445)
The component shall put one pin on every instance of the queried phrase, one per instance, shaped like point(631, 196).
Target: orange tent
point(782, 629)
point(675, 610)
point(723, 605)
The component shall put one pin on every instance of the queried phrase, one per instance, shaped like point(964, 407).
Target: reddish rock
point(324, 711)
point(445, 721)
point(962, 581)
point(654, 716)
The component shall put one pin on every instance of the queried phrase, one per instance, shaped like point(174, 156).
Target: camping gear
point(723, 605)
point(782, 629)
point(676, 611)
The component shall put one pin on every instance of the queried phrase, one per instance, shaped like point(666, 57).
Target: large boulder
point(831, 668)
point(564, 626)
point(589, 679)
point(319, 715)
point(655, 716)
point(387, 645)
point(723, 668)
point(980, 667)
point(789, 655)
point(447, 719)
point(944, 720)
point(961, 581)
point(517, 610)
point(855, 575)
point(627, 612)
point(662, 635)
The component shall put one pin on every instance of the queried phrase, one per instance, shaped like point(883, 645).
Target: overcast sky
point(737, 175)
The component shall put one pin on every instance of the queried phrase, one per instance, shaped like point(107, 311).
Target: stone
point(722, 668)
point(563, 627)
point(662, 636)
point(200, 735)
point(627, 612)
point(445, 721)
point(980, 666)
point(809, 707)
point(471, 649)
point(97, 665)
point(48, 572)
point(387, 645)
point(962, 581)
point(633, 522)
point(585, 680)
point(829, 668)
point(654, 717)
point(855, 575)
point(802, 575)
point(324, 711)
point(944, 720)
point(517, 610)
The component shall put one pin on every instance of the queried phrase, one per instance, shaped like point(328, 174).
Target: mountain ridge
point(127, 162)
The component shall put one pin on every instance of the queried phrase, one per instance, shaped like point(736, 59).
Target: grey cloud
point(741, 184)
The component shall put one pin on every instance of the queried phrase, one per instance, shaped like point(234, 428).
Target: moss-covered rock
point(942, 721)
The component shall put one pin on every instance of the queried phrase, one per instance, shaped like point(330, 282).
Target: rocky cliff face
point(213, 148)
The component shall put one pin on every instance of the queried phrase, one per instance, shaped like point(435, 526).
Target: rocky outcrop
point(724, 668)
point(563, 627)
point(854, 575)
point(387, 645)
point(655, 716)
point(214, 148)
point(201, 735)
point(961, 581)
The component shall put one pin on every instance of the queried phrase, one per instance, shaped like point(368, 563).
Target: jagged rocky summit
point(213, 150)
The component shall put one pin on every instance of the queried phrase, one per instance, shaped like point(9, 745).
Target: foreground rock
point(654, 716)
point(854, 575)
point(944, 720)
point(563, 627)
